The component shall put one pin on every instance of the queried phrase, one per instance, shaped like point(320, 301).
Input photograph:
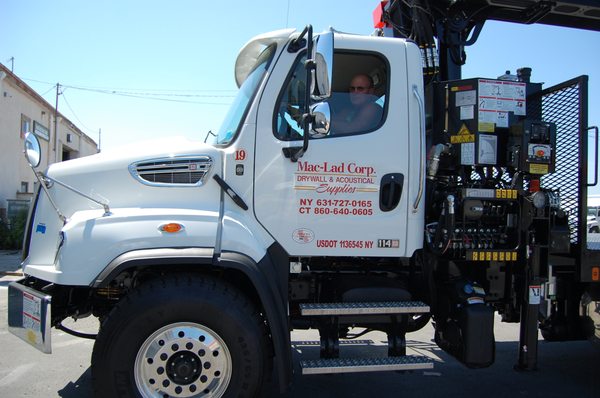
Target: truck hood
point(156, 173)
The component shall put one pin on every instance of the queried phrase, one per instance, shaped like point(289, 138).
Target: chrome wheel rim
point(183, 360)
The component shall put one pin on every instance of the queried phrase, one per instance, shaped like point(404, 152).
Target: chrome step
point(367, 308)
point(356, 365)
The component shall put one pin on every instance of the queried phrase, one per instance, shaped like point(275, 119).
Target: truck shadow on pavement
point(81, 388)
point(565, 369)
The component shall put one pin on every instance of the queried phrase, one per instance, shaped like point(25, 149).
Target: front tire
point(182, 336)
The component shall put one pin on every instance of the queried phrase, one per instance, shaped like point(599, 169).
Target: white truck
point(199, 259)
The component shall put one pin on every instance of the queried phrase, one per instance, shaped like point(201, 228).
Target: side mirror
point(321, 114)
point(323, 58)
point(32, 150)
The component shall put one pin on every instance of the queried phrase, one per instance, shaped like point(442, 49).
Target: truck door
point(353, 191)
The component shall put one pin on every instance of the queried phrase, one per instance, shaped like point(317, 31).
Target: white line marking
point(16, 374)
point(75, 341)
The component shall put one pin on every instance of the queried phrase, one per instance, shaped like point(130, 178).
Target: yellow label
point(506, 193)
point(464, 130)
point(493, 256)
point(31, 337)
point(461, 139)
point(487, 127)
point(538, 168)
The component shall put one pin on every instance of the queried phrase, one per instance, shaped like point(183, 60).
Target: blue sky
point(187, 49)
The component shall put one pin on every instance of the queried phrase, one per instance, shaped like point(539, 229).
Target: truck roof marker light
point(378, 15)
point(171, 228)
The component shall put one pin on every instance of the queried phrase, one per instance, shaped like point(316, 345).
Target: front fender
point(269, 279)
point(90, 241)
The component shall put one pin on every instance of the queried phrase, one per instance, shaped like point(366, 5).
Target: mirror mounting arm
point(43, 180)
point(104, 205)
point(306, 117)
point(296, 45)
point(318, 66)
point(300, 41)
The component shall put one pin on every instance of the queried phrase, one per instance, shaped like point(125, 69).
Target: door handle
point(421, 150)
point(595, 128)
point(390, 191)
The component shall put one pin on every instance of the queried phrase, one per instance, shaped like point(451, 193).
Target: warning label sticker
point(464, 135)
point(498, 97)
point(535, 294)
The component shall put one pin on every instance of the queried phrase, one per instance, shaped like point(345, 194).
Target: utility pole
point(56, 123)
point(12, 64)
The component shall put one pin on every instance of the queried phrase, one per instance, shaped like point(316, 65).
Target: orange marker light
point(596, 274)
point(171, 228)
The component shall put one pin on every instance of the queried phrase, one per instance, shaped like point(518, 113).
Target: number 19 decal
point(240, 155)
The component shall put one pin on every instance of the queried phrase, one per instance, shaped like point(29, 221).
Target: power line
point(147, 94)
point(75, 115)
point(38, 81)
point(152, 94)
point(148, 91)
point(148, 97)
point(50, 89)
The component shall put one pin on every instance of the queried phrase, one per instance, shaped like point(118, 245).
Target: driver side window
point(290, 106)
point(358, 101)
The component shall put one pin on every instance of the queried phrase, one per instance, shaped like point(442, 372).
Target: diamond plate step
point(367, 308)
point(356, 365)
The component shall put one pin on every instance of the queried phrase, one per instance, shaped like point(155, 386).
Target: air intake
point(187, 171)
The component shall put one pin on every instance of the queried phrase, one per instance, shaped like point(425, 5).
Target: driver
point(363, 113)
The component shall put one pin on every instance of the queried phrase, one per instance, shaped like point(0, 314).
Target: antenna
point(12, 64)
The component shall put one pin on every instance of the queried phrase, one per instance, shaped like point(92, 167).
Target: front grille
point(188, 171)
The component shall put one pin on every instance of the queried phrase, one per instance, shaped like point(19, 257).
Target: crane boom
point(457, 24)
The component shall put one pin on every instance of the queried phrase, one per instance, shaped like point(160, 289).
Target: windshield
point(240, 104)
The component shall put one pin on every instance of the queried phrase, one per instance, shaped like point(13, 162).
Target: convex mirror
point(32, 150)
point(321, 118)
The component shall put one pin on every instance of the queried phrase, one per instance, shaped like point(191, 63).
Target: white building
point(23, 110)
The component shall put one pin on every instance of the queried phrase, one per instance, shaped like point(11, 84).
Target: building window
point(25, 125)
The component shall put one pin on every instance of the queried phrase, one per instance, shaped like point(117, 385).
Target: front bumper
point(29, 315)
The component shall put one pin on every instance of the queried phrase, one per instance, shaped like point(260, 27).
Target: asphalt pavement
point(10, 262)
